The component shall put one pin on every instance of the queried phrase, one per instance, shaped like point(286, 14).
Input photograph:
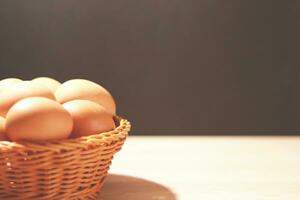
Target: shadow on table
point(119, 187)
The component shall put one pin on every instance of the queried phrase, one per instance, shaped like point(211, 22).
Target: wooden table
point(205, 168)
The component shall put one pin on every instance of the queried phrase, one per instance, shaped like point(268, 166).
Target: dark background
point(174, 67)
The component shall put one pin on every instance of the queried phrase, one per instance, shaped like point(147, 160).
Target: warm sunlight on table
point(205, 168)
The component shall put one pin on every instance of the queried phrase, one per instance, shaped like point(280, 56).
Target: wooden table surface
point(205, 168)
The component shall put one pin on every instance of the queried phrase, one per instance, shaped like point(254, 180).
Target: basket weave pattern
point(71, 169)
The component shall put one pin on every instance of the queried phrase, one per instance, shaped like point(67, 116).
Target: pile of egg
point(43, 109)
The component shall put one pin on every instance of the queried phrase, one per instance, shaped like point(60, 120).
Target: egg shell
point(3, 136)
point(89, 118)
point(85, 90)
point(22, 90)
point(5, 83)
point(38, 119)
point(51, 83)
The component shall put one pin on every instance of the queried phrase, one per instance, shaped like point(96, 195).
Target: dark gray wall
point(181, 67)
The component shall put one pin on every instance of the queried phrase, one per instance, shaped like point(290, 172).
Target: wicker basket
point(63, 170)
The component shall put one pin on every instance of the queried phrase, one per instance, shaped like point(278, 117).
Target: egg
point(8, 82)
point(86, 90)
point(89, 118)
point(3, 136)
point(21, 90)
point(38, 119)
point(51, 83)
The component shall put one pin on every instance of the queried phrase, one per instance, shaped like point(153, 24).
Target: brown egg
point(86, 90)
point(3, 136)
point(21, 90)
point(89, 118)
point(8, 82)
point(51, 83)
point(38, 119)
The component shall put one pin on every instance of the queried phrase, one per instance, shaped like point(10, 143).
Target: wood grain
point(206, 168)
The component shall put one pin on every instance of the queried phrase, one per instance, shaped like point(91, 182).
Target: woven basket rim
point(104, 138)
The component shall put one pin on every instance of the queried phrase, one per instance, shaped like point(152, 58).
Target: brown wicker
point(61, 170)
